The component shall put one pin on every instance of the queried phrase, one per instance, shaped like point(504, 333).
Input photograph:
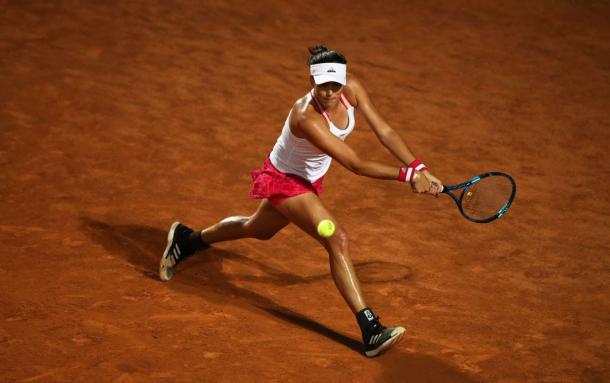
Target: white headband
point(327, 72)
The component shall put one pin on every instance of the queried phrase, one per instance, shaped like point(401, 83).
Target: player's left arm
point(384, 132)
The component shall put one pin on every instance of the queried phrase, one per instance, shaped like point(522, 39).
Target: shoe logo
point(374, 339)
point(176, 254)
point(368, 314)
point(331, 70)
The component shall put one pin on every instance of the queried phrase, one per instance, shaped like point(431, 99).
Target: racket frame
point(466, 185)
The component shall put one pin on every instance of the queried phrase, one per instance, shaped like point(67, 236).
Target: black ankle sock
point(366, 319)
point(196, 242)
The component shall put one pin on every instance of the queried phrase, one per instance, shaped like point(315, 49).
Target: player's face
point(328, 93)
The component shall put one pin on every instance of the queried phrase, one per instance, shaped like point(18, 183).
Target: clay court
point(118, 118)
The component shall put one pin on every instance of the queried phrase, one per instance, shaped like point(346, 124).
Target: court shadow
point(399, 366)
point(138, 244)
point(203, 275)
point(141, 246)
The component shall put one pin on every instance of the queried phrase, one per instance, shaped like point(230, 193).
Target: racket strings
point(487, 197)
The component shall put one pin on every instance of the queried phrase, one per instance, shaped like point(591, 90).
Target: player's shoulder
point(354, 82)
point(304, 113)
point(353, 90)
point(304, 109)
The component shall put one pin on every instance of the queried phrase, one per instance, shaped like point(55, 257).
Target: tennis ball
point(326, 228)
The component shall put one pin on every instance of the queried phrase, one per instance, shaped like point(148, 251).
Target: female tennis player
point(289, 183)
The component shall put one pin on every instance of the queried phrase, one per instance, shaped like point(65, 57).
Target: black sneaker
point(177, 249)
point(379, 338)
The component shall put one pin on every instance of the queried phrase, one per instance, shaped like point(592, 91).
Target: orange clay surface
point(118, 118)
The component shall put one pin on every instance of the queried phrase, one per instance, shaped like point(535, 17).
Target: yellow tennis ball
point(326, 228)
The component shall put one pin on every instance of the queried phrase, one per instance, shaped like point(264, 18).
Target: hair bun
point(317, 49)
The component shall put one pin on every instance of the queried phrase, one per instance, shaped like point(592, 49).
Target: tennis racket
point(484, 198)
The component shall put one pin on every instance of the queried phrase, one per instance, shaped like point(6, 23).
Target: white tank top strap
point(319, 107)
point(345, 101)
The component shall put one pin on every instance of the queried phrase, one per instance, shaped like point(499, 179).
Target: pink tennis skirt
point(272, 184)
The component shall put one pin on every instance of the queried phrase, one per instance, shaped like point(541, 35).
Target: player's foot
point(177, 249)
point(380, 338)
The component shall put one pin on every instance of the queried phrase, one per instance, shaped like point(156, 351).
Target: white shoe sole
point(166, 266)
point(395, 338)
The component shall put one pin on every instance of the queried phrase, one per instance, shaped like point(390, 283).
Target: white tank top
point(298, 156)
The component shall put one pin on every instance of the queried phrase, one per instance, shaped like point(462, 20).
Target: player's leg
point(306, 211)
point(182, 241)
point(263, 224)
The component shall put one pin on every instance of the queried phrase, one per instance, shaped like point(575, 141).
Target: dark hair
point(321, 54)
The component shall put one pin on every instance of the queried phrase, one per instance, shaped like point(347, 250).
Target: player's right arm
point(314, 130)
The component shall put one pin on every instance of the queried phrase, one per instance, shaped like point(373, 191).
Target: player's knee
point(339, 240)
point(264, 236)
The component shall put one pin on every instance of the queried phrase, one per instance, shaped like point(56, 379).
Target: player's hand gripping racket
point(485, 197)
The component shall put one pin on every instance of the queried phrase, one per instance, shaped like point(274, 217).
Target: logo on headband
point(331, 70)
